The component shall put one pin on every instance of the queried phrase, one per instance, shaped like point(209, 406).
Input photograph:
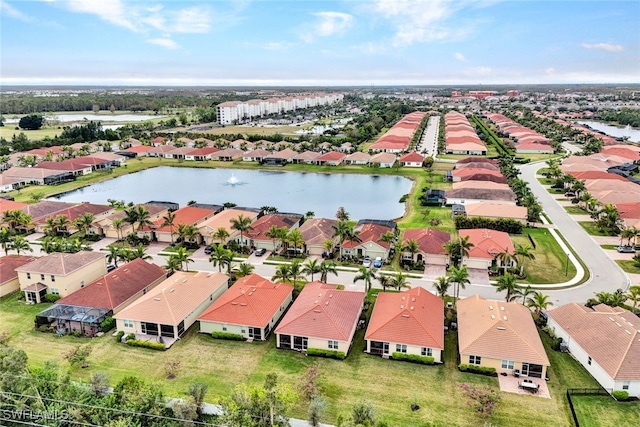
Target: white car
point(366, 262)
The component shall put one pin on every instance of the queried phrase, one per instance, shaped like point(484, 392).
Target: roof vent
point(317, 310)
point(612, 319)
point(243, 304)
point(627, 332)
point(126, 269)
point(504, 317)
point(502, 308)
point(330, 295)
point(234, 303)
point(401, 306)
point(413, 299)
point(184, 280)
point(405, 314)
point(250, 293)
point(402, 298)
point(411, 308)
point(619, 325)
point(326, 303)
point(172, 289)
point(493, 317)
point(315, 302)
point(490, 307)
point(157, 298)
point(501, 328)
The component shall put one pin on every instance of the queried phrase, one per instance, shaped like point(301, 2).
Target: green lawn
point(628, 265)
point(591, 228)
point(602, 411)
point(550, 264)
point(575, 210)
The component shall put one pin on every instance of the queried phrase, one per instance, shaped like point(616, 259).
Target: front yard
point(550, 264)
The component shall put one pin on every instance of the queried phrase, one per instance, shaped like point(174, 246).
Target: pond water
point(363, 196)
point(615, 131)
point(79, 117)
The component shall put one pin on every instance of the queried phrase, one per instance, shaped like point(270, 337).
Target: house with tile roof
point(87, 307)
point(188, 215)
point(496, 210)
point(45, 208)
point(60, 274)
point(39, 176)
point(255, 155)
point(10, 205)
point(8, 275)
point(357, 158)
point(500, 335)
point(477, 174)
point(605, 340)
point(167, 311)
point(8, 183)
point(306, 157)
point(332, 158)
point(223, 219)
point(227, 155)
point(72, 213)
point(279, 158)
point(251, 307)
point(201, 154)
point(479, 191)
point(430, 244)
point(104, 226)
point(257, 236)
point(370, 244)
point(383, 160)
point(315, 231)
point(409, 322)
point(411, 160)
point(487, 245)
point(322, 317)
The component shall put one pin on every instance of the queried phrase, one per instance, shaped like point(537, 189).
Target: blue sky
point(366, 42)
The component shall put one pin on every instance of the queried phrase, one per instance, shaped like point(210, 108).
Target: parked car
point(260, 252)
point(366, 262)
point(110, 268)
point(378, 262)
point(626, 249)
point(208, 249)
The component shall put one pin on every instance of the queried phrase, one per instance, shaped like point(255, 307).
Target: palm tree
point(388, 237)
point(187, 232)
point(507, 283)
point(628, 233)
point(341, 231)
point(311, 267)
point(220, 257)
point(138, 252)
point(143, 217)
point(459, 276)
point(366, 274)
point(399, 281)
point(352, 235)
point(452, 248)
point(84, 223)
point(61, 224)
point(115, 254)
point(241, 224)
point(327, 267)
point(20, 244)
point(385, 281)
point(524, 293)
point(411, 246)
point(118, 225)
point(131, 217)
point(539, 302)
point(181, 255)
point(243, 269)
point(173, 265)
point(296, 239)
point(283, 274)
point(5, 239)
point(295, 270)
point(634, 295)
point(221, 234)
point(442, 285)
point(275, 233)
point(465, 246)
point(169, 221)
point(522, 253)
point(12, 218)
point(327, 245)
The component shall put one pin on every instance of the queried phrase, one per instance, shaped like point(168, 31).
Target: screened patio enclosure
point(67, 319)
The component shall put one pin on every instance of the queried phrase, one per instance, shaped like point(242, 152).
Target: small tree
point(363, 413)
point(316, 410)
point(483, 400)
point(77, 356)
point(309, 383)
point(99, 383)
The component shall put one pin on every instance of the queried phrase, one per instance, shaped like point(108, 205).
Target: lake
point(79, 117)
point(363, 196)
point(615, 131)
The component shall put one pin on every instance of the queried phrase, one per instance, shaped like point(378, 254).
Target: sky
point(325, 43)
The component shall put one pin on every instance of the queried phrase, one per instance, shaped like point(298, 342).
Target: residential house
point(322, 317)
point(160, 151)
point(139, 150)
point(10, 205)
point(104, 226)
point(227, 155)
point(496, 210)
point(167, 311)
point(398, 138)
point(255, 155)
point(188, 215)
point(223, 219)
point(409, 322)
point(11, 183)
point(604, 340)
point(306, 157)
point(201, 154)
point(357, 158)
point(473, 174)
point(500, 335)
point(251, 308)
point(37, 176)
point(383, 160)
point(115, 159)
point(479, 191)
point(316, 231)
point(487, 245)
point(87, 307)
point(257, 236)
point(179, 153)
point(73, 166)
point(411, 160)
point(8, 275)
point(370, 244)
point(332, 158)
point(430, 245)
point(73, 213)
point(60, 274)
point(45, 208)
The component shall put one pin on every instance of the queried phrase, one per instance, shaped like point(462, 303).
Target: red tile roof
point(188, 215)
point(8, 265)
point(474, 174)
point(204, 151)
point(116, 287)
point(138, 149)
point(331, 156)
point(369, 233)
point(322, 311)
point(629, 210)
point(75, 212)
point(262, 225)
point(10, 205)
point(430, 240)
point(411, 157)
point(251, 301)
point(413, 317)
point(584, 175)
point(487, 243)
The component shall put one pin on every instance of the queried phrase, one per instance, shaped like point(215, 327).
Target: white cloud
point(603, 46)
point(460, 57)
point(192, 20)
point(328, 24)
point(277, 45)
point(550, 71)
point(478, 71)
point(12, 12)
point(112, 11)
point(164, 42)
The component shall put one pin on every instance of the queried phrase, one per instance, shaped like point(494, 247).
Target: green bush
point(108, 324)
point(119, 336)
point(130, 337)
point(508, 225)
point(331, 354)
point(425, 360)
point(620, 395)
point(44, 328)
point(474, 369)
point(51, 297)
point(147, 344)
point(227, 336)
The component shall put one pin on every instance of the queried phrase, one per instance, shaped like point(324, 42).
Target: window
point(53, 278)
point(333, 345)
point(42, 277)
point(243, 331)
point(426, 351)
point(55, 291)
point(625, 385)
point(507, 364)
point(144, 291)
point(28, 275)
point(475, 360)
point(401, 348)
point(224, 328)
point(589, 361)
point(128, 323)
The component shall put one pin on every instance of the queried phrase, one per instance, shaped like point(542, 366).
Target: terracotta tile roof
point(45, 208)
point(596, 174)
point(223, 219)
point(262, 225)
point(307, 155)
point(475, 159)
point(369, 233)
point(36, 173)
point(8, 265)
point(251, 301)
point(430, 240)
point(411, 157)
point(615, 197)
point(496, 210)
point(383, 158)
point(498, 330)
point(358, 156)
point(316, 230)
point(108, 156)
point(595, 185)
point(75, 212)
point(414, 317)
point(204, 151)
point(477, 165)
point(331, 156)
point(322, 311)
point(116, 287)
point(69, 165)
point(62, 264)
point(485, 185)
point(487, 243)
point(187, 215)
point(475, 174)
point(138, 149)
point(629, 210)
point(478, 193)
point(171, 301)
point(257, 153)
point(611, 336)
point(10, 205)
point(285, 154)
point(228, 152)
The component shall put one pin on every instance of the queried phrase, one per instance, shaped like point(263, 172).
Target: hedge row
point(508, 225)
point(620, 395)
point(227, 336)
point(51, 297)
point(108, 324)
point(147, 344)
point(119, 336)
point(425, 360)
point(482, 370)
point(495, 139)
point(332, 354)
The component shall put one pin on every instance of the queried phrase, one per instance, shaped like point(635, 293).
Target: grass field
point(575, 210)
point(391, 385)
point(602, 411)
point(591, 228)
point(550, 263)
point(628, 265)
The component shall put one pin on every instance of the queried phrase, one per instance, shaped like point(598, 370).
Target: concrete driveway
point(479, 276)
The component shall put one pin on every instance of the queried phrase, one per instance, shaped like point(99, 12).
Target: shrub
point(146, 344)
point(474, 369)
point(555, 345)
point(43, 328)
point(119, 336)
point(332, 354)
point(425, 360)
point(130, 337)
point(77, 333)
point(620, 395)
point(108, 324)
point(51, 297)
point(227, 336)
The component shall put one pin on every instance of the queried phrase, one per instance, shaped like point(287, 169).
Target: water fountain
point(233, 181)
